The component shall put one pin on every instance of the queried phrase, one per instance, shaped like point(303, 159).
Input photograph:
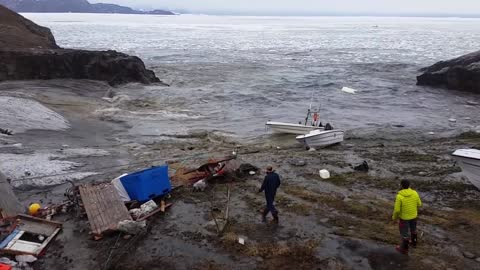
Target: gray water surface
point(234, 73)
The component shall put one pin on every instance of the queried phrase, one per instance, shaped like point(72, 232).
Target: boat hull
point(286, 128)
point(316, 139)
point(469, 161)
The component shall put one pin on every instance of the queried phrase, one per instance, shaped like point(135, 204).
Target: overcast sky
point(293, 7)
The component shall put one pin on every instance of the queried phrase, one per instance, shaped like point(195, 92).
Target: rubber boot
point(413, 240)
point(403, 248)
point(264, 216)
point(275, 218)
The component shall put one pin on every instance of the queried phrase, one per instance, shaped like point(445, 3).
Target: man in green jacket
point(407, 203)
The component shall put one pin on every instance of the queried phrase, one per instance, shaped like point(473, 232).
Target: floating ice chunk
point(348, 90)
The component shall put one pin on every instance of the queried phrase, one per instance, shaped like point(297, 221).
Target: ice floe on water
point(19, 115)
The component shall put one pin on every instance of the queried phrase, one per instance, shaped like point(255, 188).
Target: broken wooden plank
point(104, 207)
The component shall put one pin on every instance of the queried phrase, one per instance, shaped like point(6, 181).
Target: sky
point(309, 7)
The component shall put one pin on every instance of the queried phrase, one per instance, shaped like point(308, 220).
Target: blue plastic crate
point(147, 184)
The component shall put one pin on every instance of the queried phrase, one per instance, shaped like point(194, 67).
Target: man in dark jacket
point(270, 185)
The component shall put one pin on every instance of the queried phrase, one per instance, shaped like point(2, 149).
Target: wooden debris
point(30, 237)
point(104, 207)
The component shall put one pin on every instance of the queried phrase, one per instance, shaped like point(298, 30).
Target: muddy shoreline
point(339, 223)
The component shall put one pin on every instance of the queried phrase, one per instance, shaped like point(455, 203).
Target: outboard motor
point(328, 126)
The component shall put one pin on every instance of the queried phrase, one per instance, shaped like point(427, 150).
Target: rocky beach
point(90, 116)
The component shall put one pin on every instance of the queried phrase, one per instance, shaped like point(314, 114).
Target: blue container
point(147, 184)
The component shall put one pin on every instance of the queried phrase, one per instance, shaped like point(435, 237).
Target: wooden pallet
point(104, 207)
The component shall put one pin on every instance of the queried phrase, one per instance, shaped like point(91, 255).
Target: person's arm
point(419, 201)
point(397, 208)
point(278, 181)
point(263, 185)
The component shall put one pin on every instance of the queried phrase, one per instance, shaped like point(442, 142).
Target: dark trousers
point(270, 207)
point(406, 226)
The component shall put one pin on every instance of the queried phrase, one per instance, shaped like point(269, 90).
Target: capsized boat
point(469, 161)
point(321, 138)
point(287, 128)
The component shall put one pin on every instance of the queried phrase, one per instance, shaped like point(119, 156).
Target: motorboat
point(321, 138)
point(312, 122)
point(469, 161)
point(288, 128)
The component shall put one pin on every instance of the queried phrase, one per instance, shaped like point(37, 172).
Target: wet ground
point(338, 223)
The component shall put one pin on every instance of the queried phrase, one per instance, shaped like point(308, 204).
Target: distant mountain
point(74, 6)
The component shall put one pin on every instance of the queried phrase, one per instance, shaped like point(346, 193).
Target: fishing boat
point(311, 123)
point(321, 138)
point(469, 161)
point(287, 128)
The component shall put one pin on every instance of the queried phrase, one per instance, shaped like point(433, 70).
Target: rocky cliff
point(462, 73)
point(18, 32)
point(76, 6)
point(29, 52)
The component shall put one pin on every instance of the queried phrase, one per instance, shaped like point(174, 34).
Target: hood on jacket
point(406, 192)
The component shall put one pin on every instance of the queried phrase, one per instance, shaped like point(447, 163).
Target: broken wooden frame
point(31, 236)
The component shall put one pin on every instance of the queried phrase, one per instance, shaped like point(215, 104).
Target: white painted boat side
point(469, 161)
point(321, 138)
point(279, 127)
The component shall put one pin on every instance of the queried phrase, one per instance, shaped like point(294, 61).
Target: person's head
point(404, 184)
point(269, 169)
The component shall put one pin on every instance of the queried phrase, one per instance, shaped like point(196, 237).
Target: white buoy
point(324, 174)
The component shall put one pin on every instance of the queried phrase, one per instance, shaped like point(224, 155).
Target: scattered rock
point(467, 118)
point(431, 133)
point(190, 148)
point(362, 167)
point(6, 131)
point(422, 173)
point(127, 236)
point(132, 227)
point(324, 220)
point(25, 258)
point(468, 255)
point(297, 162)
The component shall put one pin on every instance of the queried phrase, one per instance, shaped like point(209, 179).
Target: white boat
point(279, 127)
point(321, 138)
point(469, 161)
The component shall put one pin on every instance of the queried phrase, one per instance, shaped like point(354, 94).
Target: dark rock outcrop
point(18, 32)
point(462, 73)
point(76, 6)
point(29, 52)
point(110, 66)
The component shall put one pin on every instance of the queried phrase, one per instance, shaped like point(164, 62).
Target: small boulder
point(297, 162)
point(468, 255)
point(362, 167)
